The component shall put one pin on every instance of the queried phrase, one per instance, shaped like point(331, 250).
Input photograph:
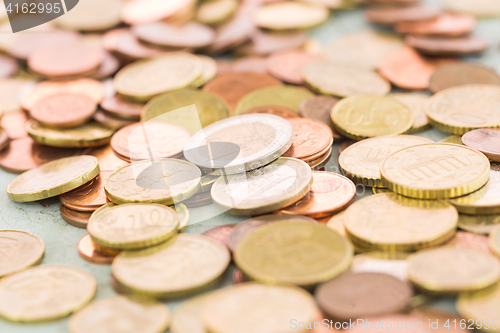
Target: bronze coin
point(106, 120)
point(448, 46)
point(220, 233)
point(279, 111)
point(13, 122)
point(361, 295)
point(309, 138)
point(451, 25)
point(109, 66)
point(263, 43)
point(119, 107)
point(287, 66)
point(64, 110)
point(108, 161)
point(345, 144)
point(75, 218)
point(25, 46)
point(320, 108)
point(392, 15)
point(88, 197)
point(87, 250)
point(116, 286)
point(8, 66)
point(462, 73)
point(469, 240)
point(225, 67)
point(486, 140)
point(252, 64)
point(123, 43)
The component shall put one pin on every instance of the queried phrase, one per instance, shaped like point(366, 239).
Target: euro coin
point(417, 104)
point(495, 241)
point(478, 224)
point(88, 197)
point(485, 140)
point(482, 306)
point(290, 15)
point(24, 250)
point(187, 317)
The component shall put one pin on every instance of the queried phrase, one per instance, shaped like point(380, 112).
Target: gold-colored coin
point(478, 224)
point(10, 91)
point(456, 139)
point(166, 181)
point(89, 135)
point(144, 79)
point(362, 117)
point(209, 71)
point(121, 314)
point(417, 104)
point(336, 223)
point(230, 309)
point(495, 241)
point(486, 200)
point(132, 226)
point(216, 11)
point(377, 190)
point(187, 317)
point(177, 108)
point(289, 15)
point(435, 171)
point(45, 293)
point(293, 252)
point(264, 190)
point(481, 8)
point(286, 96)
point(361, 161)
point(461, 109)
point(20, 250)
point(183, 216)
point(450, 270)
point(482, 306)
point(392, 263)
point(92, 15)
point(183, 265)
point(206, 182)
point(53, 178)
point(376, 222)
point(343, 81)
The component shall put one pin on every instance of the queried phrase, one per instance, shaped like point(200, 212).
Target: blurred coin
point(220, 233)
point(187, 317)
point(13, 123)
point(92, 15)
point(108, 121)
point(486, 141)
point(231, 34)
point(123, 43)
point(253, 64)
point(216, 11)
point(26, 45)
point(163, 34)
point(21, 250)
point(287, 96)
point(209, 71)
point(451, 25)
point(108, 67)
point(199, 200)
point(392, 15)
point(391, 263)
point(12, 91)
point(462, 73)
point(494, 241)
point(320, 108)
point(481, 306)
point(287, 66)
point(4, 139)
point(182, 216)
point(145, 11)
point(8, 66)
point(468, 240)
point(336, 223)
point(280, 111)
point(118, 107)
point(238, 276)
point(263, 42)
point(88, 197)
point(478, 224)
point(431, 314)
point(417, 104)
point(481, 8)
point(107, 159)
point(288, 15)
point(455, 139)
point(89, 252)
point(439, 46)
point(310, 137)
point(75, 218)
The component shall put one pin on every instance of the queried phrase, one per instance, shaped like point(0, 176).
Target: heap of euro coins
point(141, 114)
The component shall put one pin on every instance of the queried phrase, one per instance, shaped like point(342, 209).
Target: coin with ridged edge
point(21, 249)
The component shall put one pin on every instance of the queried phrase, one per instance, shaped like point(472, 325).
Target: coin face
point(215, 12)
point(225, 310)
point(135, 12)
point(361, 162)
point(479, 224)
point(367, 116)
point(21, 250)
point(143, 316)
point(462, 73)
point(183, 265)
point(187, 317)
point(435, 170)
point(53, 178)
point(375, 221)
point(293, 252)
point(310, 137)
point(119, 107)
point(92, 15)
point(485, 140)
point(481, 306)
point(417, 104)
point(279, 111)
point(164, 181)
point(290, 15)
point(25, 296)
point(453, 270)
point(394, 15)
point(133, 226)
point(468, 240)
point(265, 190)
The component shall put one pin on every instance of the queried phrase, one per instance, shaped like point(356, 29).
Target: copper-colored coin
point(238, 276)
point(264, 43)
point(118, 107)
point(220, 233)
point(320, 108)
point(106, 120)
point(8, 66)
point(392, 15)
point(149, 140)
point(123, 43)
point(444, 25)
point(345, 144)
point(26, 45)
point(234, 86)
point(448, 46)
point(320, 163)
point(13, 123)
point(309, 138)
point(433, 315)
point(462, 73)
point(87, 250)
point(330, 193)
point(88, 197)
point(225, 67)
point(75, 218)
point(469, 240)
point(64, 110)
point(361, 295)
point(66, 60)
point(280, 111)
point(287, 66)
point(486, 140)
point(107, 159)
point(252, 64)
point(410, 70)
point(116, 287)
point(4, 139)
point(109, 66)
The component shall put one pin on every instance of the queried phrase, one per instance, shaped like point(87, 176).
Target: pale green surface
point(43, 219)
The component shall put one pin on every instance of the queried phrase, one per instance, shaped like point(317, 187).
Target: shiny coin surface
point(478, 224)
point(53, 178)
point(482, 8)
point(487, 141)
point(367, 116)
point(495, 241)
point(164, 181)
point(462, 73)
point(199, 260)
point(74, 217)
point(435, 170)
point(427, 223)
point(361, 162)
point(237, 137)
point(89, 252)
point(21, 250)
point(66, 288)
point(417, 104)
point(265, 190)
point(105, 315)
point(298, 253)
point(132, 226)
point(481, 306)
point(451, 270)
point(310, 138)
point(287, 96)
point(290, 15)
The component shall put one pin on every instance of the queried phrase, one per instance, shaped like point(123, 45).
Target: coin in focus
point(88, 197)
point(495, 241)
point(311, 139)
point(21, 249)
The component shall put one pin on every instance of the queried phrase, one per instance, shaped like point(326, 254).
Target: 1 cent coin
point(310, 137)
point(74, 217)
point(220, 233)
point(21, 250)
point(88, 251)
point(89, 197)
point(287, 66)
point(486, 140)
point(462, 73)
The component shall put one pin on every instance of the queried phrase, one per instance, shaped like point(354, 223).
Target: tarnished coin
point(144, 79)
point(393, 15)
point(330, 193)
point(481, 306)
point(89, 252)
point(427, 223)
point(290, 15)
point(450, 25)
point(21, 250)
point(132, 226)
point(468, 240)
point(450, 270)
point(189, 108)
point(163, 34)
point(279, 111)
point(367, 116)
point(342, 81)
point(417, 104)
point(461, 109)
point(184, 265)
point(462, 73)
point(144, 11)
point(25, 296)
point(435, 171)
point(310, 138)
point(217, 11)
point(287, 66)
point(293, 252)
point(273, 187)
point(231, 144)
point(361, 162)
point(486, 140)
point(74, 217)
point(13, 123)
point(439, 46)
point(478, 224)
point(320, 108)
point(108, 315)
point(481, 8)
point(52, 179)
point(165, 181)
point(494, 241)
point(187, 317)
point(220, 233)
point(119, 107)
point(361, 295)
point(226, 311)
point(391, 263)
